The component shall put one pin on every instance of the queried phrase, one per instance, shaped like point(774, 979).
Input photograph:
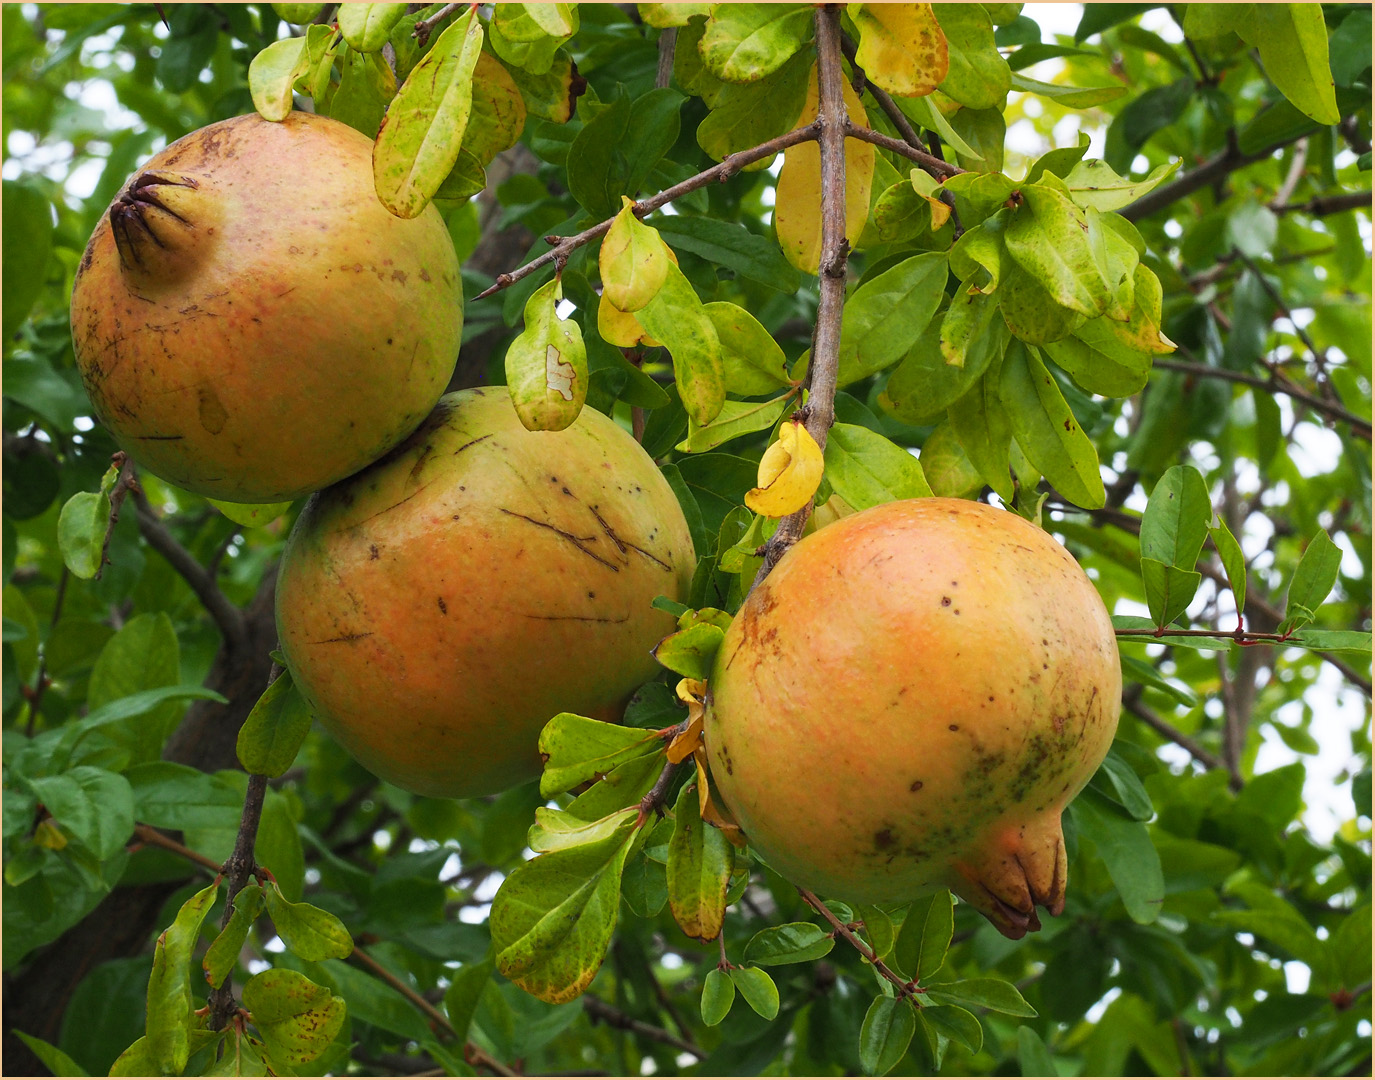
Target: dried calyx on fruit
point(944, 678)
point(251, 323)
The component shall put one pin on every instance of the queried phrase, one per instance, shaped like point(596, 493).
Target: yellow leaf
point(789, 473)
point(48, 835)
point(621, 328)
point(797, 211)
point(925, 186)
point(633, 262)
point(901, 47)
point(707, 808)
point(687, 741)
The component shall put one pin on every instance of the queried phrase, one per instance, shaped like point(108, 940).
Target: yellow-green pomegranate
point(909, 701)
point(441, 606)
point(251, 323)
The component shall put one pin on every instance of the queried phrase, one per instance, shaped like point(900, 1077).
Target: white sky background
point(1339, 709)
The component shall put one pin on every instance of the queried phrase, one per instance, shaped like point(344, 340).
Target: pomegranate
point(910, 701)
point(250, 322)
point(441, 606)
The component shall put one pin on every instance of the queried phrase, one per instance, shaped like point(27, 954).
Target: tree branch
point(1220, 165)
point(1321, 205)
point(600, 1010)
point(1197, 751)
point(146, 834)
point(239, 867)
point(835, 249)
point(227, 617)
point(903, 987)
point(565, 246)
point(935, 166)
point(425, 27)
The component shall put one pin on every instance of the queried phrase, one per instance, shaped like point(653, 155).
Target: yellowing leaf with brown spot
point(633, 262)
point(925, 186)
point(797, 213)
point(789, 473)
point(687, 741)
point(901, 47)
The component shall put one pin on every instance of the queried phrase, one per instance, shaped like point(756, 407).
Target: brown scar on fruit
point(343, 638)
point(578, 542)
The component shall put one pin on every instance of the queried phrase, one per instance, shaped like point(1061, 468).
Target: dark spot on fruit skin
point(917, 785)
point(884, 838)
point(954, 727)
point(443, 607)
point(373, 553)
point(945, 601)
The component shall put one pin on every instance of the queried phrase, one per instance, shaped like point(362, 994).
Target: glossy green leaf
point(790, 943)
point(1313, 580)
point(615, 152)
point(980, 423)
point(81, 531)
point(1292, 39)
point(886, 315)
point(1047, 431)
point(677, 317)
point(419, 143)
point(275, 729)
point(308, 931)
point(718, 995)
point(700, 859)
point(169, 986)
point(1175, 523)
point(735, 419)
point(745, 42)
point(957, 1024)
point(1125, 847)
point(555, 830)
point(553, 917)
point(867, 469)
point(692, 651)
point(366, 27)
point(575, 749)
point(979, 76)
point(925, 936)
point(996, 995)
point(222, 957)
point(751, 360)
point(886, 1033)
point(1121, 373)
point(758, 989)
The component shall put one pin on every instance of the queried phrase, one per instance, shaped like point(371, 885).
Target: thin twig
point(425, 27)
point(835, 248)
point(126, 482)
point(1319, 358)
point(928, 161)
point(148, 835)
point(566, 245)
point(1291, 179)
point(40, 679)
point(1197, 751)
point(600, 1010)
point(1320, 205)
point(238, 870)
point(1359, 426)
point(227, 617)
point(903, 987)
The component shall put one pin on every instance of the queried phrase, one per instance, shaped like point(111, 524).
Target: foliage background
point(1258, 961)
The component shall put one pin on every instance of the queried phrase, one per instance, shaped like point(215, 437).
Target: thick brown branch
point(835, 248)
point(227, 617)
point(609, 1014)
point(716, 174)
point(1322, 205)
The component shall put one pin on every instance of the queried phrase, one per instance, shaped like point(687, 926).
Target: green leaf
point(1134, 670)
point(744, 115)
point(623, 786)
point(58, 1063)
point(366, 27)
point(925, 936)
point(1313, 580)
point(310, 932)
point(956, 1023)
point(137, 1060)
point(980, 423)
point(528, 36)
point(878, 928)
point(677, 317)
point(555, 830)
point(27, 246)
point(886, 315)
point(223, 955)
point(718, 995)
point(615, 152)
point(887, 1031)
point(692, 651)
point(169, 985)
point(1032, 1056)
point(575, 749)
point(791, 943)
point(700, 859)
point(926, 383)
point(81, 528)
point(1119, 373)
point(276, 727)
point(1292, 39)
point(546, 365)
point(745, 42)
point(1094, 183)
point(997, 995)
point(172, 796)
point(1117, 780)
point(423, 133)
point(1175, 522)
point(757, 987)
point(751, 360)
point(297, 1018)
point(1169, 590)
point(644, 886)
point(1048, 237)
point(251, 515)
point(979, 77)
point(1069, 97)
point(735, 419)
point(465, 991)
point(866, 469)
point(1047, 431)
point(94, 805)
point(553, 917)
point(273, 72)
point(1125, 847)
point(1353, 641)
